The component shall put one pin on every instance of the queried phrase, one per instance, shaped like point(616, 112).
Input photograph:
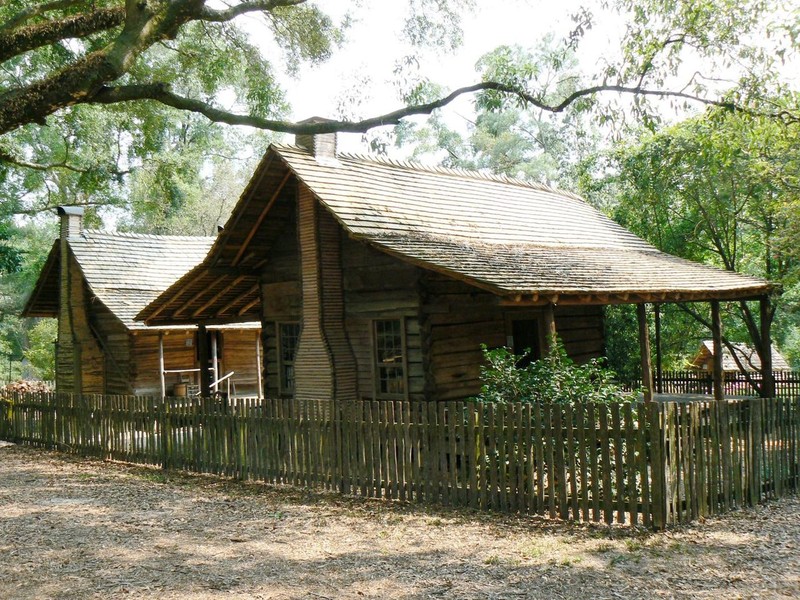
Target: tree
point(40, 352)
point(720, 189)
point(61, 53)
point(505, 139)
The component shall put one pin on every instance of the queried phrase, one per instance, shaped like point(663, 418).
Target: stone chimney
point(71, 221)
point(321, 145)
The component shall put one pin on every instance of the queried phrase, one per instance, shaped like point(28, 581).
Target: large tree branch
point(7, 158)
point(18, 41)
point(35, 10)
point(210, 14)
point(160, 92)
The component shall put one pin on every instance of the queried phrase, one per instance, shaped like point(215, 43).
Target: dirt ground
point(74, 528)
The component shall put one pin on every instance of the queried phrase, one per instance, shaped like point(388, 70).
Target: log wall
point(378, 286)
point(80, 366)
point(180, 352)
point(115, 341)
point(239, 355)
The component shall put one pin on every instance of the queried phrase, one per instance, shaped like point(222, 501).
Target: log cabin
point(379, 279)
point(746, 359)
point(94, 283)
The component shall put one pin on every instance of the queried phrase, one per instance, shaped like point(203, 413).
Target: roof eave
point(50, 269)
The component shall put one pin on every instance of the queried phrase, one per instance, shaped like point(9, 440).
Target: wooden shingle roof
point(125, 271)
point(506, 235)
point(525, 242)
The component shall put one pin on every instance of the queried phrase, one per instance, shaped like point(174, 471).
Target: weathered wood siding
point(180, 352)
point(239, 355)
point(80, 366)
point(115, 341)
point(458, 318)
point(581, 328)
point(379, 286)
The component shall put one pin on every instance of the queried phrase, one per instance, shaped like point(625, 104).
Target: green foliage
point(40, 351)
point(435, 23)
point(10, 259)
point(554, 378)
point(681, 336)
point(719, 189)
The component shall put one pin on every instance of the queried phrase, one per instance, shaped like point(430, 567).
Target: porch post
point(202, 347)
point(214, 360)
point(659, 370)
point(644, 349)
point(550, 326)
point(716, 337)
point(161, 376)
point(259, 366)
point(767, 376)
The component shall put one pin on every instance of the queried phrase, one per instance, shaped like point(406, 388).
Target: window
point(288, 335)
point(390, 367)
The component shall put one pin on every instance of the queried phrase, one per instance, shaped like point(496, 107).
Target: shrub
point(554, 378)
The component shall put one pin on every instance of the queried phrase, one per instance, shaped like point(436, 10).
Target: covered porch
point(653, 384)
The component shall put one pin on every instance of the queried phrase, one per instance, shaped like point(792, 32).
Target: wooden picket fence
point(655, 464)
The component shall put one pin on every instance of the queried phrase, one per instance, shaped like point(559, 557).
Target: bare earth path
point(73, 528)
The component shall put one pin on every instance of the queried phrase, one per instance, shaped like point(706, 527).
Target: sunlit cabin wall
point(457, 318)
point(115, 341)
point(180, 352)
point(80, 365)
point(239, 355)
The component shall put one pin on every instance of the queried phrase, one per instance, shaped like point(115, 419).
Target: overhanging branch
point(219, 16)
point(160, 92)
point(44, 167)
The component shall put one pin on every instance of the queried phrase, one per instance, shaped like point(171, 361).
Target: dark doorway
point(526, 340)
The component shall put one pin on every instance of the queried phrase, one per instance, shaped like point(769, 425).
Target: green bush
point(554, 378)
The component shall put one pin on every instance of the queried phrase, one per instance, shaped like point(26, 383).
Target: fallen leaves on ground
point(78, 528)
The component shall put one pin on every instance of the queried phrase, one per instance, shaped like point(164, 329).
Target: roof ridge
point(470, 242)
point(451, 171)
point(149, 236)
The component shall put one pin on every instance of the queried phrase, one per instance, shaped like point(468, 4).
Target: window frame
point(377, 365)
point(279, 336)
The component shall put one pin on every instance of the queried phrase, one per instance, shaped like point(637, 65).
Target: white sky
point(373, 45)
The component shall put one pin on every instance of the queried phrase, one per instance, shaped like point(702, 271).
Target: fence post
point(658, 467)
point(756, 435)
point(163, 421)
point(5, 419)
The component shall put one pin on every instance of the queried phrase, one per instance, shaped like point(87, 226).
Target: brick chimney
point(71, 221)
point(321, 145)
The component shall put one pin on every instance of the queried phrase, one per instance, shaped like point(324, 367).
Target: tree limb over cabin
point(94, 283)
point(380, 279)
